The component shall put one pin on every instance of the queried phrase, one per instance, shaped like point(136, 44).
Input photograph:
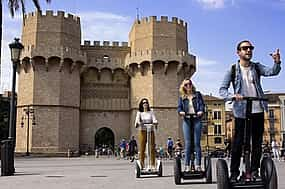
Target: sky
point(214, 29)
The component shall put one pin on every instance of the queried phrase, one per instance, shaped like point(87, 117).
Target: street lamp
point(28, 111)
point(16, 49)
point(8, 146)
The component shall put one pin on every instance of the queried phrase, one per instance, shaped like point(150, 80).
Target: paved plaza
point(89, 172)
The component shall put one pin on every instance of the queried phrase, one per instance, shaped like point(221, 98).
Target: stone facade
point(76, 89)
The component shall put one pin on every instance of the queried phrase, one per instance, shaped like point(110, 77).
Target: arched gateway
point(104, 136)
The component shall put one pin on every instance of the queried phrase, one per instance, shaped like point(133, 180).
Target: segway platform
point(193, 175)
point(148, 171)
point(257, 184)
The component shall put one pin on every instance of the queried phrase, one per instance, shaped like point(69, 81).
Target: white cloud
point(105, 26)
point(206, 62)
point(216, 4)
point(212, 4)
point(208, 76)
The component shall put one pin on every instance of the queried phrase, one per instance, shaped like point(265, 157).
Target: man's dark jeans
point(257, 136)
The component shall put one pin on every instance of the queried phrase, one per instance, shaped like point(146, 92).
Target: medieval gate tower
point(83, 94)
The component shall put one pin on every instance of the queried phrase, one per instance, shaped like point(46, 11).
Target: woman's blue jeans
point(187, 124)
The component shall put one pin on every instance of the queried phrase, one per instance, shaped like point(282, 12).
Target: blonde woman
point(145, 116)
point(191, 109)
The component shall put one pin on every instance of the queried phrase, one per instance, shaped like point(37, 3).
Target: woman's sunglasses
point(187, 85)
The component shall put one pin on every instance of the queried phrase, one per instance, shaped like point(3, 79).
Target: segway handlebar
point(150, 126)
point(249, 98)
point(187, 115)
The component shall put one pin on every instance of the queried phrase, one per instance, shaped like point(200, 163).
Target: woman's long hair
point(182, 89)
point(141, 105)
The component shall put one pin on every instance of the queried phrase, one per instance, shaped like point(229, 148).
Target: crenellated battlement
point(164, 55)
point(88, 43)
point(163, 52)
point(52, 14)
point(163, 19)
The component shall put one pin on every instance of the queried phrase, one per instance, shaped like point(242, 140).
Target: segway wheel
point(160, 169)
point(208, 169)
point(269, 174)
point(177, 171)
point(222, 174)
point(138, 170)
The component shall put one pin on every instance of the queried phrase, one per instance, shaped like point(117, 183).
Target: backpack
point(233, 73)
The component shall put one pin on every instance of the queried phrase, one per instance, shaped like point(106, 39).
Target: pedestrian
point(191, 109)
point(178, 145)
point(145, 116)
point(245, 78)
point(228, 148)
point(275, 149)
point(132, 148)
point(169, 144)
point(123, 146)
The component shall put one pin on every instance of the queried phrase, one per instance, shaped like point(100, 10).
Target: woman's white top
point(145, 118)
point(191, 107)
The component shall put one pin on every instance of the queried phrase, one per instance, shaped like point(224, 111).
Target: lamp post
point(8, 146)
point(29, 114)
point(16, 49)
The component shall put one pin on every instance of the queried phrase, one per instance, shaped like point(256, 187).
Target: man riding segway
point(245, 78)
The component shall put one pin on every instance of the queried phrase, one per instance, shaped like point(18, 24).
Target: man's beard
point(247, 58)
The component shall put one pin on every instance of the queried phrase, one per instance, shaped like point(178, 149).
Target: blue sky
point(214, 29)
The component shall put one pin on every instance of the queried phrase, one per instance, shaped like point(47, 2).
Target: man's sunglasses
point(244, 48)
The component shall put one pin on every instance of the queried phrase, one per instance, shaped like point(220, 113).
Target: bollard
point(68, 153)
point(7, 158)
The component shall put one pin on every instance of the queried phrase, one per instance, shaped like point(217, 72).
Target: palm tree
point(14, 5)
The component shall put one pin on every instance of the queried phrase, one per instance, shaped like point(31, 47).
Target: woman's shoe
point(198, 168)
point(187, 168)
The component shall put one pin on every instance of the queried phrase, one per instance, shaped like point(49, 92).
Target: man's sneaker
point(234, 177)
point(187, 168)
point(255, 175)
point(192, 167)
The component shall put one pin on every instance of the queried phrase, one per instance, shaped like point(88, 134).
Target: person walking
point(169, 144)
point(132, 148)
point(275, 149)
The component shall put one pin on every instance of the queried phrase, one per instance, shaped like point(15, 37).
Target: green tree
point(14, 5)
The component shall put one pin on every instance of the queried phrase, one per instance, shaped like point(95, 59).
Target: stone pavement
point(88, 172)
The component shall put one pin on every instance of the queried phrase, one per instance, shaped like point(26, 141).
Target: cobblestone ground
point(89, 172)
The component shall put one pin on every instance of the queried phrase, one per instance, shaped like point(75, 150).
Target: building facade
point(84, 95)
point(214, 132)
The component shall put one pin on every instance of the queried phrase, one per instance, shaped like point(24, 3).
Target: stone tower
point(158, 62)
point(49, 82)
point(87, 95)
